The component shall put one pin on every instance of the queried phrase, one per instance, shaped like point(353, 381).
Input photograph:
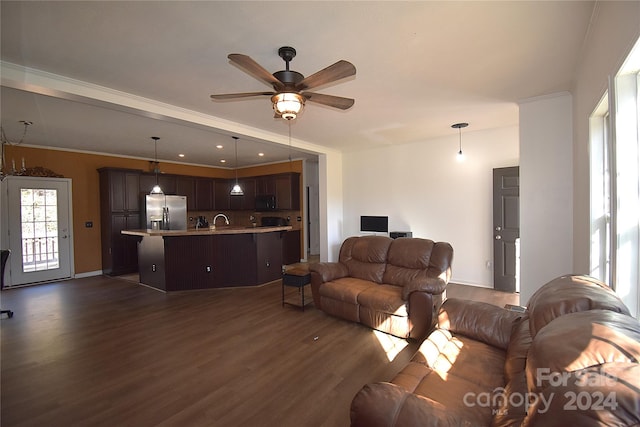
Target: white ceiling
point(421, 66)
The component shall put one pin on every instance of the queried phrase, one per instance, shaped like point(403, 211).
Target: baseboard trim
point(88, 274)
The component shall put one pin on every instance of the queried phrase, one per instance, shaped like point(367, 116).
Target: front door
point(506, 229)
point(39, 228)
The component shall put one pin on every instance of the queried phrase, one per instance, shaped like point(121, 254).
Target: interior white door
point(40, 229)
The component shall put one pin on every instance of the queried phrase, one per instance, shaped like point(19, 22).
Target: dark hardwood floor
point(108, 352)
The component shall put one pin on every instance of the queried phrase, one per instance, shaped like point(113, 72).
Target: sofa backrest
point(365, 257)
point(584, 369)
point(570, 294)
point(413, 258)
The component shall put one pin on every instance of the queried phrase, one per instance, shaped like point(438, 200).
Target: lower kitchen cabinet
point(180, 263)
point(291, 247)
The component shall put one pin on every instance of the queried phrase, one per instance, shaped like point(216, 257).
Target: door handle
point(498, 237)
point(498, 228)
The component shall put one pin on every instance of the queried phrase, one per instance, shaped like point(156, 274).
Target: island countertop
point(224, 229)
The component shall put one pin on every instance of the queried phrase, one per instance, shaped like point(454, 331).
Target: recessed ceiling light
point(219, 146)
point(180, 155)
point(223, 161)
point(260, 154)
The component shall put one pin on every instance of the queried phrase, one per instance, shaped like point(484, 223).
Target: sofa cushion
point(383, 298)
point(446, 391)
point(569, 294)
point(456, 373)
point(463, 357)
point(581, 340)
point(366, 256)
point(418, 260)
point(346, 289)
point(407, 260)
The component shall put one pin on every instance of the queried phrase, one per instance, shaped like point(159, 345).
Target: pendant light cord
point(290, 160)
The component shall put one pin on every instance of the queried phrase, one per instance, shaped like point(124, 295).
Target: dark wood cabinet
point(166, 182)
point(120, 206)
point(291, 247)
point(268, 256)
point(205, 194)
point(222, 188)
point(287, 191)
point(265, 185)
point(186, 186)
point(179, 263)
point(191, 263)
point(286, 188)
point(246, 201)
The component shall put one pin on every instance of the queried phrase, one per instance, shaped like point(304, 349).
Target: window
point(615, 184)
point(39, 222)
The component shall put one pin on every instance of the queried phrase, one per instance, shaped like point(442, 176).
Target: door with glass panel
point(40, 239)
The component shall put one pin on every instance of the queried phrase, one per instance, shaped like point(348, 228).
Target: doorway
point(39, 229)
point(506, 229)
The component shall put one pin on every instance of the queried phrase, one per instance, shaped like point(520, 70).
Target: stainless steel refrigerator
point(165, 212)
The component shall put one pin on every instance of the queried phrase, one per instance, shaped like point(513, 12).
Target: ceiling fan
point(290, 87)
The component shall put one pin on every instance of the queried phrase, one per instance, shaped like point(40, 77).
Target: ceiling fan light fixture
point(287, 104)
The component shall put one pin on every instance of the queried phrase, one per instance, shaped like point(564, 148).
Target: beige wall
point(82, 169)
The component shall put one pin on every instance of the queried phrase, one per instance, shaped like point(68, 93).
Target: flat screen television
point(374, 223)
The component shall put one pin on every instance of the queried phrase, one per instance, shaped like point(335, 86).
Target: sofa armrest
point(322, 272)
point(387, 404)
point(432, 285)
point(329, 271)
point(478, 320)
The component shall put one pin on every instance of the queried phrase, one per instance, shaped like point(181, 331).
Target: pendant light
point(156, 188)
point(459, 126)
point(236, 190)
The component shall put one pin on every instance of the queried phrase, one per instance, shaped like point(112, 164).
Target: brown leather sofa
point(572, 359)
point(395, 286)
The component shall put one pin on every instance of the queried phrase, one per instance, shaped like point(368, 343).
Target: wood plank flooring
point(107, 352)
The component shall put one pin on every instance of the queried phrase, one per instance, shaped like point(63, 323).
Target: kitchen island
point(227, 256)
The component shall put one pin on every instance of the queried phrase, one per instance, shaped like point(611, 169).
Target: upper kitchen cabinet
point(246, 201)
point(186, 186)
point(120, 188)
point(286, 188)
point(205, 194)
point(166, 182)
point(287, 191)
point(265, 185)
point(222, 200)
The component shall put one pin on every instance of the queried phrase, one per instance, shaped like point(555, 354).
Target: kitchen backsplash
point(245, 218)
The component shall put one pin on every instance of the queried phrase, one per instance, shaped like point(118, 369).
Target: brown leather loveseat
point(572, 359)
point(395, 286)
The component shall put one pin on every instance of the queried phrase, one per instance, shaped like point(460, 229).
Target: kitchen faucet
point(226, 219)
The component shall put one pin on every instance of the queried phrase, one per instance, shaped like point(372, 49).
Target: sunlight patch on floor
point(391, 345)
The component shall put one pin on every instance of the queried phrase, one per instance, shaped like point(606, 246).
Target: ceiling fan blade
point(255, 69)
point(330, 100)
point(337, 71)
point(224, 96)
